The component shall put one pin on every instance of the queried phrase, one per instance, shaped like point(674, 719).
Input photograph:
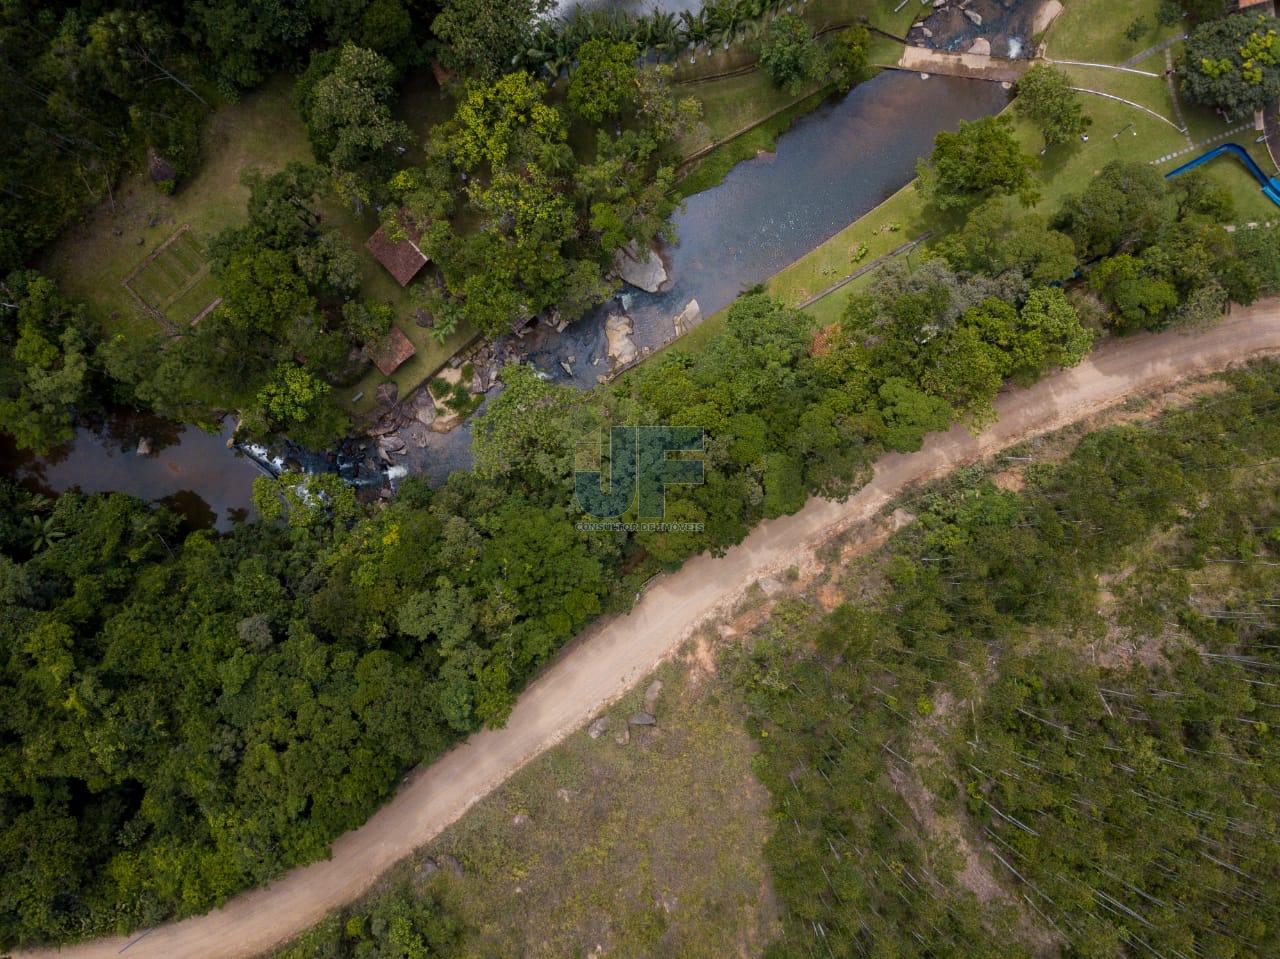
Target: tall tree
point(979, 160)
point(483, 38)
point(1045, 97)
point(1233, 64)
point(345, 97)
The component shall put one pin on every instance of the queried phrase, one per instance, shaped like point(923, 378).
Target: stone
point(641, 269)
point(771, 586)
point(623, 736)
point(981, 46)
point(392, 443)
point(160, 169)
point(451, 863)
point(642, 719)
point(427, 868)
point(444, 422)
point(565, 795)
point(520, 819)
point(598, 727)
point(144, 446)
point(726, 631)
point(975, 17)
point(651, 695)
point(688, 318)
point(617, 332)
point(900, 518)
point(386, 393)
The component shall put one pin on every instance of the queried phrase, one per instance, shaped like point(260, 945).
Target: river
point(831, 167)
point(189, 470)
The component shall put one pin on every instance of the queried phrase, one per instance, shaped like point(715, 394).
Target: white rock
point(975, 17)
point(643, 270)
point(689, 317)
point(617, 331)
point(981, 46)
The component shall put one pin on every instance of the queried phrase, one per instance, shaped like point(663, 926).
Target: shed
point(402, 258)
point(393, 351)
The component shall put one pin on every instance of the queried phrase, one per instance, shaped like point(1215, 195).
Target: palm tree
point(43, 531)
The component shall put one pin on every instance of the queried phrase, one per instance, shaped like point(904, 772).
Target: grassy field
point(648, 848)
point(1093, 31)
point(263, 132)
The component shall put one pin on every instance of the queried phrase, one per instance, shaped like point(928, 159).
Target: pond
point(193, 472)
point(831, 167)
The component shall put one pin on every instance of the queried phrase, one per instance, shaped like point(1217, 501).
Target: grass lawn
point(262, 132)
point(652, 848)
point(91, 259)
point(1093, 31)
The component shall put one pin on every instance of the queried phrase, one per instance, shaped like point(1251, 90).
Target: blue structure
point(1270, 185)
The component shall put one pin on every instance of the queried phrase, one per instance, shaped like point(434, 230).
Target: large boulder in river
point(643, 269)
point(424, 407)
point(617, 332)
point(688, 318)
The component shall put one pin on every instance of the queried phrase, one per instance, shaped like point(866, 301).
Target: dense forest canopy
point(1046, 726)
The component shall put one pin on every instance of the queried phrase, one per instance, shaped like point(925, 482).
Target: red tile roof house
point(393, 351)
point(402, 258)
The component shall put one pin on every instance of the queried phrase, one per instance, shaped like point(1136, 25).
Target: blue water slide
point(1270, 185)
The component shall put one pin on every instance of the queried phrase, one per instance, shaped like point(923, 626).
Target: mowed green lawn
point(1094, 31)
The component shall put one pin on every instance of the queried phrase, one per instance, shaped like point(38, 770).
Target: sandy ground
point(976, 66)
point(617, 653)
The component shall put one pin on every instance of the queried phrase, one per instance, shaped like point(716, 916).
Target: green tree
point(1125, 207)
point(296, 402)
point(1140, 296)
point(979, 160)
point(345, 97)
point(44, 369)
point(789, 53)
point(996, 239)
point(603, 84)
point(1233, 64)
point(848, 57)
point(532, 426)
point(1045, 97)
point(1049, 335)
point(483, 38)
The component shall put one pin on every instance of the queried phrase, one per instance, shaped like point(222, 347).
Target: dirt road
point(617, 653)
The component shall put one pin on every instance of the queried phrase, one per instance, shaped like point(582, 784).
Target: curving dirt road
point(617, 653)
